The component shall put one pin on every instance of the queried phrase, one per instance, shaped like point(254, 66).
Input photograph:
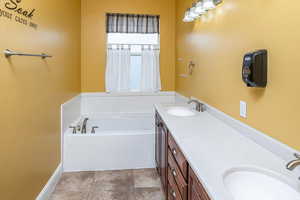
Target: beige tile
point(75, 182)
point(113, 185)
point(146, 178)
point(109, 185)
point(114, 180)
point(117, 194)
point(64, 195)
point(148, 194)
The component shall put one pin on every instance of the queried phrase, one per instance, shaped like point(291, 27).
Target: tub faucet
point(199, 105)
point(83, 129)
point(294, 163)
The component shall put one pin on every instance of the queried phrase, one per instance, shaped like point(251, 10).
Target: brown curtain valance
point(131, 23)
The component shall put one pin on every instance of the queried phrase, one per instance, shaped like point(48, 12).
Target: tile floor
point(142, 184)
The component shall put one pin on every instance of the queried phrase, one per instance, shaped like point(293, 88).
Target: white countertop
point(213, 147)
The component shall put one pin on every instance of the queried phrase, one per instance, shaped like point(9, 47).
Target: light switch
point(243, 109)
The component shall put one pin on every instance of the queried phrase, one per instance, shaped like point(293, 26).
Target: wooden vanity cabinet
point(161, 133)
point(179, 182)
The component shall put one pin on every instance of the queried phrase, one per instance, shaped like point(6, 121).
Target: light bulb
point(192, 13)
point(199, 8)
point(187, 17)
point(208, 4)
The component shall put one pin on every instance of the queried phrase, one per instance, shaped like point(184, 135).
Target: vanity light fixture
point(200, 8)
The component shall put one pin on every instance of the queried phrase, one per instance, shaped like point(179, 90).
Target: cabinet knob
point(174, 172)
point(174, 152)
point(173, 193)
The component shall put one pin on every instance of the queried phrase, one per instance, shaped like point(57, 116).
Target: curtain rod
point(156, 46)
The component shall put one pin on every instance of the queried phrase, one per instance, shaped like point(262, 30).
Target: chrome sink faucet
point(83, 129)
point(199, 105)
point(294, 163)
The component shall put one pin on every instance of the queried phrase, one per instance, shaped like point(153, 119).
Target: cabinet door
point(157, 143)
point(163, 158)
point(161, 132)
point(193, 194)
point(196, 190)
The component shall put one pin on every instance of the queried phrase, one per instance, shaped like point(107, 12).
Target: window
point(136, 42)
point(133, 54)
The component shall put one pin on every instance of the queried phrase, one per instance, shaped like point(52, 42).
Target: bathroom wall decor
point(13, 10)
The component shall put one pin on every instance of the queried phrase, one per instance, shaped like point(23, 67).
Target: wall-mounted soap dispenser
point(255, 68)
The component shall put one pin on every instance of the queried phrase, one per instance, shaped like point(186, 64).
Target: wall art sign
point(15, 11)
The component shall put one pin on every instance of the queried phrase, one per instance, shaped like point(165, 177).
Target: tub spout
point(83, 129)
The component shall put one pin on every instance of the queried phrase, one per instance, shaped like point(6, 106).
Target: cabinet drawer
point(173, 192)
point(174, 171)
point(179, 157)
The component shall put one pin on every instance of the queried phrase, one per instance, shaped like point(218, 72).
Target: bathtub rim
point(113, 133)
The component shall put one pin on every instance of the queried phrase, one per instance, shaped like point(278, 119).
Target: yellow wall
point(94, 38)
point(218, 42)
point(32, 91)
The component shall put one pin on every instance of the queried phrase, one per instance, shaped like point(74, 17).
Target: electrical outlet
point(243, 109)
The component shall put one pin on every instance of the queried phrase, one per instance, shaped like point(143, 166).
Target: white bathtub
point(122, 141)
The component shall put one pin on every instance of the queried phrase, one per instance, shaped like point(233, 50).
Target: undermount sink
point(181, 111)
point(249, 184)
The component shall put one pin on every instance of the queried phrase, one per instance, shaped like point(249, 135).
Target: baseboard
point(50, 186)
point(276, 147)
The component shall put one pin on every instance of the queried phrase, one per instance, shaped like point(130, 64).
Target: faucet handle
point(74, 129)
point(297, 155)
point(93, 129)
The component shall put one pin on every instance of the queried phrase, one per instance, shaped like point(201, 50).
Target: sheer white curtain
point(117, 69)
point(150, 79)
